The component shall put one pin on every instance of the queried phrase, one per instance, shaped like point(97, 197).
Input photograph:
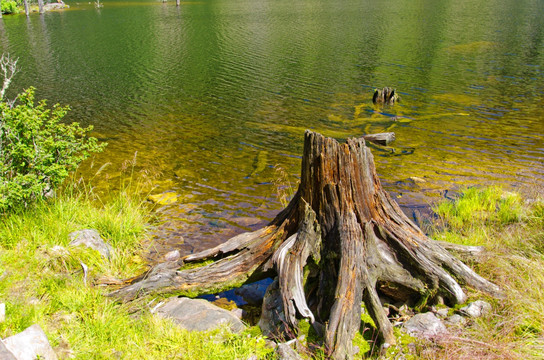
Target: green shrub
point(8, 7)
point(37, 150)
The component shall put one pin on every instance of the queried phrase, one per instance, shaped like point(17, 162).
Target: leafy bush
point(37, 150)
point(8, 7)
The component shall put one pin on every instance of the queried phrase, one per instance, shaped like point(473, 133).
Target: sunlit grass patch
point(481, 206)
point(511, 228)
point(42, 281)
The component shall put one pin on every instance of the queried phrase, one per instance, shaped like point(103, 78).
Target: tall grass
point(511, 228)
point(42, 281)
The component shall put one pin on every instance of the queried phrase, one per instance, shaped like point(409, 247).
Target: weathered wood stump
point(340, 241)
point(386, 96)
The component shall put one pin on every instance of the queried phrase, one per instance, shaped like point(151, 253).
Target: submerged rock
point(198, 315)
point(253, 293)
point(166, 198)
point(173, 255)
point(272, 321)
point(91, 239)
point(30, 344)
point(425, 325)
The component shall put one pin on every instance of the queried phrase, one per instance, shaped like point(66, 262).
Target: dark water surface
point(213, 97)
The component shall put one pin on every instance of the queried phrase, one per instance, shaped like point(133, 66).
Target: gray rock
point(272, 321)
point(455, 320)
point(253, 293)
point(442, 313)
point(91, 239)
point(5, 354)
point(173, 255)
point(198, 315)
point(285, 352)
point(425, 325)
point(239, 313)
point(30, 344)
point(476, 309)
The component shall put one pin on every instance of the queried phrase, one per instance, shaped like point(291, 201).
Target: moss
point(196, 264)
point(424, 299)
point(404, 348)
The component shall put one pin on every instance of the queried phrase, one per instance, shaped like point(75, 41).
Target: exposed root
point(358, 238)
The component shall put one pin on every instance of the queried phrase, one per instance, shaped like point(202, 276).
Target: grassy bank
point(511, 228)
point(41, 281)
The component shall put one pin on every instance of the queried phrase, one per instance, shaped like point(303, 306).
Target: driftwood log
point(341, 241)
point(382, 139)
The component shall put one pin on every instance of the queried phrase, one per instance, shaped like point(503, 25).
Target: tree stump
point(386, 96)
point(341, 241)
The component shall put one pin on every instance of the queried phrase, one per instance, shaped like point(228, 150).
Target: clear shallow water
point(213, 94)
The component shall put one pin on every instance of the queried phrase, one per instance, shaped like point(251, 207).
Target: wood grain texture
point(340, 243)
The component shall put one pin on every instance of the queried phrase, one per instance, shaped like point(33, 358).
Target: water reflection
point(212, 95)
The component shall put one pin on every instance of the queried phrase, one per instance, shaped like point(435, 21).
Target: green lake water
point(212, 98)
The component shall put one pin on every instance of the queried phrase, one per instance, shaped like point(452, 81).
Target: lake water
point(212, 97)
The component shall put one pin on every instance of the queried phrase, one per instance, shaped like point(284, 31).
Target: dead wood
point(383, 139)
point(387, 96)
point(341, 236)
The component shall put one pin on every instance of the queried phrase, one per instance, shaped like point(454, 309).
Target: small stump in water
point(341, 241)
point(387, 96)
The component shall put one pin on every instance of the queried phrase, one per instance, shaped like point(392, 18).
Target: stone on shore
point(286, 352)
point(5, 354)
point(91, 239)
point(173, 255)
point(198, 315)
point(456, 320)
point(476, 309)
point(425, 325)
point(31, 344)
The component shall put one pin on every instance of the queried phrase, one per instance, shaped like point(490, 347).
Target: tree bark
point(40, 6)
point(341, 241)
point(387, 96)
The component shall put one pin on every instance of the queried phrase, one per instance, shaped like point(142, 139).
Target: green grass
point(511, 228)
point(41, 281)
